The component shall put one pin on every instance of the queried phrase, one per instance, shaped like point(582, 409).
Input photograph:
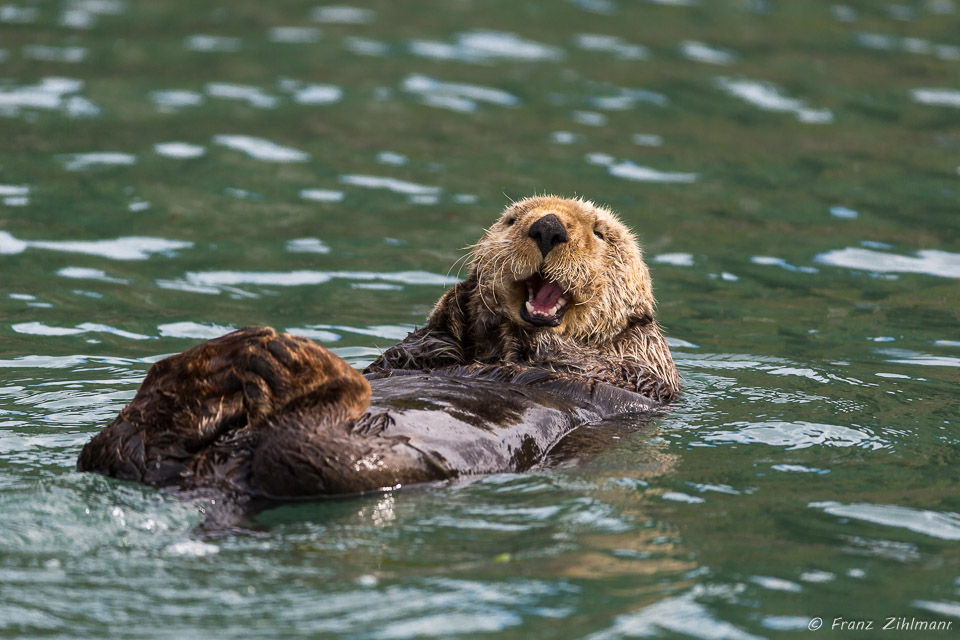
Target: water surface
point(170, 171)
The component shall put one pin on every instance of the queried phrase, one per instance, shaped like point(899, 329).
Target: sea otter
point(553, 329)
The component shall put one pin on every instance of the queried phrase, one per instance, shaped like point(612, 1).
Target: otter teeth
point(552, 312)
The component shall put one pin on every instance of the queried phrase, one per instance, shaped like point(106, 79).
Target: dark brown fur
point(477, 390)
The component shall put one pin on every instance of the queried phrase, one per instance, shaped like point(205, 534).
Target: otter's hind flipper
point(198, 415)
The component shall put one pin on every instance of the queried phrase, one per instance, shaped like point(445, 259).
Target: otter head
point(565, 266)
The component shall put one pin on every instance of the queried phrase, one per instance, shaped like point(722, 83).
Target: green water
point(790, 167)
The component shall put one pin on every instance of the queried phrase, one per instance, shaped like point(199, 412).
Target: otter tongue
point(546, 294)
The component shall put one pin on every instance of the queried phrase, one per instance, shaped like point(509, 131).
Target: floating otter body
point(553, 329)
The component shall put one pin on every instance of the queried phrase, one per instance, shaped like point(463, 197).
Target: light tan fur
point(608, 333)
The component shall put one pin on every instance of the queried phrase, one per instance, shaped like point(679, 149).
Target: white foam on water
point(82, 161)
point(630, 171)
point(253, 96)
point(293, 35)
point(261, 148)
point(342, 14)
point(193, 330)
point(701, 52)
point(676, 259)
point(176, 98)
point(932, 262)
point(181, 150)
point(321, 195)
point(937, 97)
point(769, 98)
point(936, 524)
point(563, 137)
point(611, 44)
point(48, 53)
point(206, 42)
point(307, 245)
point(390, 184)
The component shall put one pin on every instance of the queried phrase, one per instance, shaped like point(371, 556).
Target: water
point(169, 171)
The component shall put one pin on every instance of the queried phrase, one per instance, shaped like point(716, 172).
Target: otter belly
point(261, 414)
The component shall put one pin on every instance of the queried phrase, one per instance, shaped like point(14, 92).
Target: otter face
point(562, 265)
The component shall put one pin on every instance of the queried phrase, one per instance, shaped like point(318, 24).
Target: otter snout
point(548, 232)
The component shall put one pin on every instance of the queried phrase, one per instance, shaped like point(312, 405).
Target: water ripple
point(680, 615)
point(611, 44)
point(796, 435)
point(770, 98)
point(340, 14)
point(929, 261)
point(261, 148)
point(127, 248)
point(253, 96)
point(50, 94)
point(943, 525)
point(81, 161)
point(701, 52)
point(456, 96)
point(390, 184)
point(486, 46)
point(42, 329)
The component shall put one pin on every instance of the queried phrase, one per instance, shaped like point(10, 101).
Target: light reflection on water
point(791, 174)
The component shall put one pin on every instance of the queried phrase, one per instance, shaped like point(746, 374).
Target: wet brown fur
point(608, 334)
point(477, 390)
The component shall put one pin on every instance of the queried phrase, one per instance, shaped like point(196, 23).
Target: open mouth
point(545, 303)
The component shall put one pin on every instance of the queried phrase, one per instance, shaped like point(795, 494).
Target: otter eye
point(509, 221)
point(598, 234)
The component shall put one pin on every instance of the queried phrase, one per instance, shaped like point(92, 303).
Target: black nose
point(548, 232)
